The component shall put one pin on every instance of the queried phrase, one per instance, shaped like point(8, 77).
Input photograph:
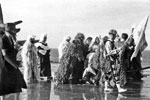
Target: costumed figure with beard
point(71, 65)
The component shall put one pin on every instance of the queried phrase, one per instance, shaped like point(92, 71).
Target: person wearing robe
point(30, 61)
point(63, 46)
point(13, 79)
point(110, 70)
point(44, 56)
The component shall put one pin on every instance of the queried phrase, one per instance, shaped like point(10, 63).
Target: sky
point(59, 18)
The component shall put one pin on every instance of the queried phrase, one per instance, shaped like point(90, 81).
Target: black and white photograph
point(74, 50)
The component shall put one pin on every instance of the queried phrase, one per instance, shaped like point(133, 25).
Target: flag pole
point(1, 15)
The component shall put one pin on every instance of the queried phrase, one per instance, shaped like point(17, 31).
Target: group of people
point(35, 60)
point(106, 61)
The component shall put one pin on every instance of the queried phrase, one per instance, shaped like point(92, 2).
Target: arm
point(109, 49)
point(9, 60)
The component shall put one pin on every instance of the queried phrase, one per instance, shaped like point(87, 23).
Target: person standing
point(44, 56)
point(13, 79)
point(94, 45)
point(110, 70)
point(30, 61)
point(87, 43)
point(3, 70)
point(71, 65)
point(64, 46)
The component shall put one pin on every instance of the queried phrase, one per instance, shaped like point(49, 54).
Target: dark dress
point(13, 77)
point(2, 71)
point(44, 61)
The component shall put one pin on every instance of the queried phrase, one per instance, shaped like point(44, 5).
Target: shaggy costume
point(63, 46)
point(30, 62)
point(70, 66)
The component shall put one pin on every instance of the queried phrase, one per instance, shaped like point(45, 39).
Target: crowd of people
point(35, 60)
point(106, 61)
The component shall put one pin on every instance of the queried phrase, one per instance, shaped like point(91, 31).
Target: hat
point(113, 32)
point(10, 26)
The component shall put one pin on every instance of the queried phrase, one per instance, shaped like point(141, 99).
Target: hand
point(131, 47)
point(118, 50)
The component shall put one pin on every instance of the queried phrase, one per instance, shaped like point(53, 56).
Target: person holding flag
point(140, 45)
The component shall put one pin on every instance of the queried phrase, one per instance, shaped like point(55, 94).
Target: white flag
point(139, 37)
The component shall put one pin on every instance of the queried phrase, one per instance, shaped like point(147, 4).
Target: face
point(112, 36)
point(97, 40)
point(88, 42)
point(68, 40)
point(32, 40)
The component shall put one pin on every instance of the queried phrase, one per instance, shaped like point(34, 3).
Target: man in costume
point(71, 64)
point(44, 56)
point(112, 62)
point(64, 46)
point(30, 60)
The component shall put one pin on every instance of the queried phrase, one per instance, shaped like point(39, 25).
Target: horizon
point(59, 18)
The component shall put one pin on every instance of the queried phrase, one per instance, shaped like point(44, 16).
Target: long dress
point(44, 56)
point(13, 78)
point(2, 71)
point(30, 63)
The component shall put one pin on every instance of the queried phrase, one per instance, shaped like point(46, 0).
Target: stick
point(140, 69)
